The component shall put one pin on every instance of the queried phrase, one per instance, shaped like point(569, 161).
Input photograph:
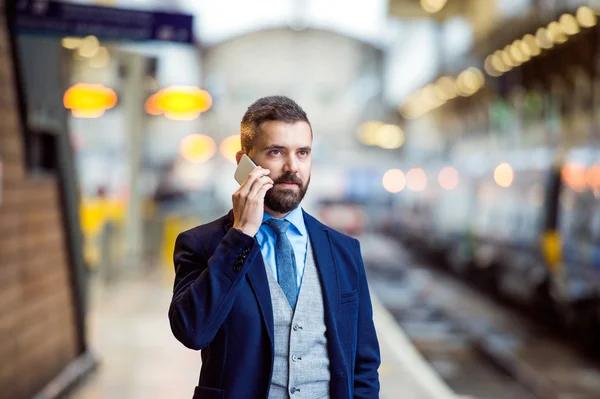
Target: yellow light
point(88, 47)
point(504, 175)
point(569, 24)
point(151, 107)
point(479, 77)
point(367, 132)
point(413, 112)
point(230, 146)
point(529, 45)
point(544, 39)
point(394, 181)
point(469, 81)
point(556, 32)
point(488, 65)
point(498, 63)
point(101, 59)
point(517, 54)
point(433, 6)
point(586, 17)
point(71, 43)
point(89, 100)
point(513, 62)
point(507, 60)
point(448, 87)
point(448, 178)
point(179, 102)
point(439, 93)
point(431, 96)
point(197, 148)
point(416, 179)
point(389, 137)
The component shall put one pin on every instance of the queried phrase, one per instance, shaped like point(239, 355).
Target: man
point(277, 302)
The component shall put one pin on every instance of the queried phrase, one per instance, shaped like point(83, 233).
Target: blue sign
point(50, 17)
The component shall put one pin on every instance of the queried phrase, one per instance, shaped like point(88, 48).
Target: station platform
point(139, 357)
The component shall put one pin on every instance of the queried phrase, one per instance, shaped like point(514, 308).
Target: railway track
point(480, 348)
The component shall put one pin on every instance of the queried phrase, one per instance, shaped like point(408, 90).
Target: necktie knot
point(278, 226)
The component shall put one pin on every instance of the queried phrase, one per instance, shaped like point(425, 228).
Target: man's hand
point(249, 199)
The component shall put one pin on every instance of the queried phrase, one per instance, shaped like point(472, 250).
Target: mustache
point(289, 178)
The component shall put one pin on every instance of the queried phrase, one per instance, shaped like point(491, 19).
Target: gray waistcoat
point(301, 366)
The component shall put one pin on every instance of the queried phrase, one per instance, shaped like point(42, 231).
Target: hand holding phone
point(248, 200)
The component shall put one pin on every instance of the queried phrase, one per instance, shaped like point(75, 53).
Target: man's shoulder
point(209, 229)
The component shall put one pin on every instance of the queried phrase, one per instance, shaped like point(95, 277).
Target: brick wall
point(37, 323)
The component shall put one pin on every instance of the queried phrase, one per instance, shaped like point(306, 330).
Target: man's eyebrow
point(281, 147)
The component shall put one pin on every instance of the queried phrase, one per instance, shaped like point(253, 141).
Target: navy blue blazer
point(222, 305)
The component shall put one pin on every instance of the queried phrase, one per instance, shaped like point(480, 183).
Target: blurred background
point(459, 140)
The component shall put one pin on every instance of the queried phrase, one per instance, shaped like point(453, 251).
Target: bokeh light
point(197, 148)
point(504, 175)
point(394, 180)
point(575, 176)
point(416, 179)
point(448, 178)
point(89, 100)
point(230, 146)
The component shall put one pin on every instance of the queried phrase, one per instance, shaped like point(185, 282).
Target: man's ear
point(238, 156)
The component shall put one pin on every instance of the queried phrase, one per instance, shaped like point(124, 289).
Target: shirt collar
point(295, 217)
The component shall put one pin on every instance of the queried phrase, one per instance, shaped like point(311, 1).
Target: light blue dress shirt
point(297, 235)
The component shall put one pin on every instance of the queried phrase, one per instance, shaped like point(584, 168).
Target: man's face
point(284, 149)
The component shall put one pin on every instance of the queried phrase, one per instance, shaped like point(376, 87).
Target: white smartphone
point(244, 168)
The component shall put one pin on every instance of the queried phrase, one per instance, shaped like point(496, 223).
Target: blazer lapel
point(319, 239)
point(257, 278)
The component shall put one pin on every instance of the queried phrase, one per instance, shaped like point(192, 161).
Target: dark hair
point(272, 108)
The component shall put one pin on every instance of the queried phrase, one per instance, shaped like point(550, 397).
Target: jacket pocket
point(208, 393)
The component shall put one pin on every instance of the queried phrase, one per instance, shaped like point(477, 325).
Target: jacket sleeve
point(366, 375)
point(205, 289)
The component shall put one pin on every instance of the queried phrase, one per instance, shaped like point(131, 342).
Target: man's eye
point(274, 152)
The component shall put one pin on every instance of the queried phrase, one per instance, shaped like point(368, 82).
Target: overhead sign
point(50, 17)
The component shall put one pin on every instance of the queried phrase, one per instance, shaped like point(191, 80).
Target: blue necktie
point(286, 260)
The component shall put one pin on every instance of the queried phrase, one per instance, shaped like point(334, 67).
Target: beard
point(285, 200)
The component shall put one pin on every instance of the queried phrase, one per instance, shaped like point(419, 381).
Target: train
point(531, 236)
point(522, 221)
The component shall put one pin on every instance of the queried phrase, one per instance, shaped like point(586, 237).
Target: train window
point(595, 225)
point(567, 205)
point(576, 220)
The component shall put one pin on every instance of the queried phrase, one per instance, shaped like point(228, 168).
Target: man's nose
point(291, 164)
